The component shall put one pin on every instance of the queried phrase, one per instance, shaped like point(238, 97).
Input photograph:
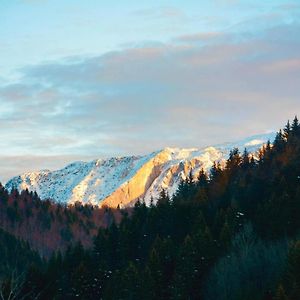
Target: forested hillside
point(49, 226)
point(231, 235)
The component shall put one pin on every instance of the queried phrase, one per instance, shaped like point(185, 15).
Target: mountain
point(121, 181)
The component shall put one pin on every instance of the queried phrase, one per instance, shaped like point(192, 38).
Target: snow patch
point(254, 143)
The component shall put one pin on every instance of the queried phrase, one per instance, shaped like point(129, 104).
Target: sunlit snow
point(128, 178)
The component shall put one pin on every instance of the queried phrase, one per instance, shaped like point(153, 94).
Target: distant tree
point(234, 160)
point(245, 159)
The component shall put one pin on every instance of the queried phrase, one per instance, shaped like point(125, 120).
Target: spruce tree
point(287, 130)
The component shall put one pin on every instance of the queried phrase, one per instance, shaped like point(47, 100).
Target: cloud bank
point(193, 91)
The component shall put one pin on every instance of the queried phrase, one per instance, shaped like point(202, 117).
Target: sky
point(89, 79)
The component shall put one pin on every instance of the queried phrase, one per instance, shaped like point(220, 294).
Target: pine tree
point(279, 141)
point(202, 180)
point(130, 284)
point(287, 130)
point(155, 272)
point(190, 178)
point(215, 171)
point(185, 272)
point(295, 125)
point(100, 251)
point(245, 159)
point(205, 247)
point(234, 160)
point(163, 197)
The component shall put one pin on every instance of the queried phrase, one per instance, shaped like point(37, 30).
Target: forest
point(232, 234)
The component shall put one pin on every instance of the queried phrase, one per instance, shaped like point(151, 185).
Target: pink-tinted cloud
point(137, 100)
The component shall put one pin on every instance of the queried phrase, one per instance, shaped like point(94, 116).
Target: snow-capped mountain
point(123, 180)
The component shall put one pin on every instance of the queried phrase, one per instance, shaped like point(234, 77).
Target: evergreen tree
point(184, 285)
point(287, 130)
point(245, 159)
point(295, 126)
point(202, 180)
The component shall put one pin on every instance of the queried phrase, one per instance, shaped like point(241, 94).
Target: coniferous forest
point(231, 234)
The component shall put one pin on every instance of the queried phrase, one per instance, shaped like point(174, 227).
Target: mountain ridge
point(121, 181)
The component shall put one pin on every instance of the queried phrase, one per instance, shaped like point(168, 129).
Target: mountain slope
point(121, 181)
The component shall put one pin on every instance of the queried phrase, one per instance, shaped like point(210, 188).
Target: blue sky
point(87, 79)
point(34, 31)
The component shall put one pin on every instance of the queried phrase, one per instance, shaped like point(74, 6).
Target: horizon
point(61, 165)
point(94, 79)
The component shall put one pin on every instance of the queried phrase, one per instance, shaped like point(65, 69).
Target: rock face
point(122, 181)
